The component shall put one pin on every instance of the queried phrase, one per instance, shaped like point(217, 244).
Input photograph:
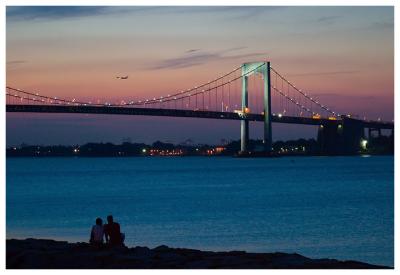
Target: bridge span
point(113, 110)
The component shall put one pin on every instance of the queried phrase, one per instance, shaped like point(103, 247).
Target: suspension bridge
point(254, 91)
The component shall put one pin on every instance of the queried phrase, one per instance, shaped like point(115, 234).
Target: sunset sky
point(342, 55)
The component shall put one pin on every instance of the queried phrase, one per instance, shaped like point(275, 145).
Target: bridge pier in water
point(263, 68)
point(341, 139)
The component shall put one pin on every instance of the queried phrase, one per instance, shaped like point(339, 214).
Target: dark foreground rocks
point(37, 253)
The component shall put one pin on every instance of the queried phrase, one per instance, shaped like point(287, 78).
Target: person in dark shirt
point(112, 232)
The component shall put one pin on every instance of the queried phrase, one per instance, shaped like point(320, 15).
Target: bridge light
point(363, 144)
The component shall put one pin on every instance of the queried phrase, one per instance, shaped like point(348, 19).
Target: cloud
point(17, 13)
point(185, 61)
point(383, 25)
point(325, 73)
point(328, 19)
point(47, 12)
point(333, 94)
point(234, 49)
point(13, 62)
point(192, 50)
point(195, 58)
point(250, 12)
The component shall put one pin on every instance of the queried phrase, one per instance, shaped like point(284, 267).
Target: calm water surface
point(334, 207)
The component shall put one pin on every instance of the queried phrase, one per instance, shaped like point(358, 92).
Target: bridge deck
point(178, 113)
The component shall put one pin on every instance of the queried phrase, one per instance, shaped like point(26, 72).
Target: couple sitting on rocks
point(111, 231)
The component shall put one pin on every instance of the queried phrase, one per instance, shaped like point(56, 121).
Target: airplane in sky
point(122, 77)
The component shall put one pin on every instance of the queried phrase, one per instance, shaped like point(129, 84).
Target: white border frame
point(5, 3)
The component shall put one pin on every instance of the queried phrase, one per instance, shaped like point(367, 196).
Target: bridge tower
point(264, 69)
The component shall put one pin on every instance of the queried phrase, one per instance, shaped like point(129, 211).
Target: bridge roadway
point(112, 110)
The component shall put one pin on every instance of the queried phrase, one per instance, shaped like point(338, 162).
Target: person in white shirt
point(97, 233)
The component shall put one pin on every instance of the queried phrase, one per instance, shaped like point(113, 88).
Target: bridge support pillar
point(244, 129)
point(330, 139)
point(267, 109)
point(353, 134)
point(244, 135)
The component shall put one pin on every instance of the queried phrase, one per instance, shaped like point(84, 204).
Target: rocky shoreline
point(50, 254)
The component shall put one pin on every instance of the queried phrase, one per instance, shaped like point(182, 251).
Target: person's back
point(97, 232)
point(112, 232)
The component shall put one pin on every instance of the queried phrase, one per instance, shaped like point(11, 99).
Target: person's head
point(99, 221)
point(110, 219)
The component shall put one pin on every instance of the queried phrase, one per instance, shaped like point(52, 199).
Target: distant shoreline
point(300, 147)
point(43, 254)
point(191, 156)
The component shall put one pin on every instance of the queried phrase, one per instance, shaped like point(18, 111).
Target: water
point(321, 207)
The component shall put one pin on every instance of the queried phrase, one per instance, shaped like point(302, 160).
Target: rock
point(161, 248)
point(45, 254)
